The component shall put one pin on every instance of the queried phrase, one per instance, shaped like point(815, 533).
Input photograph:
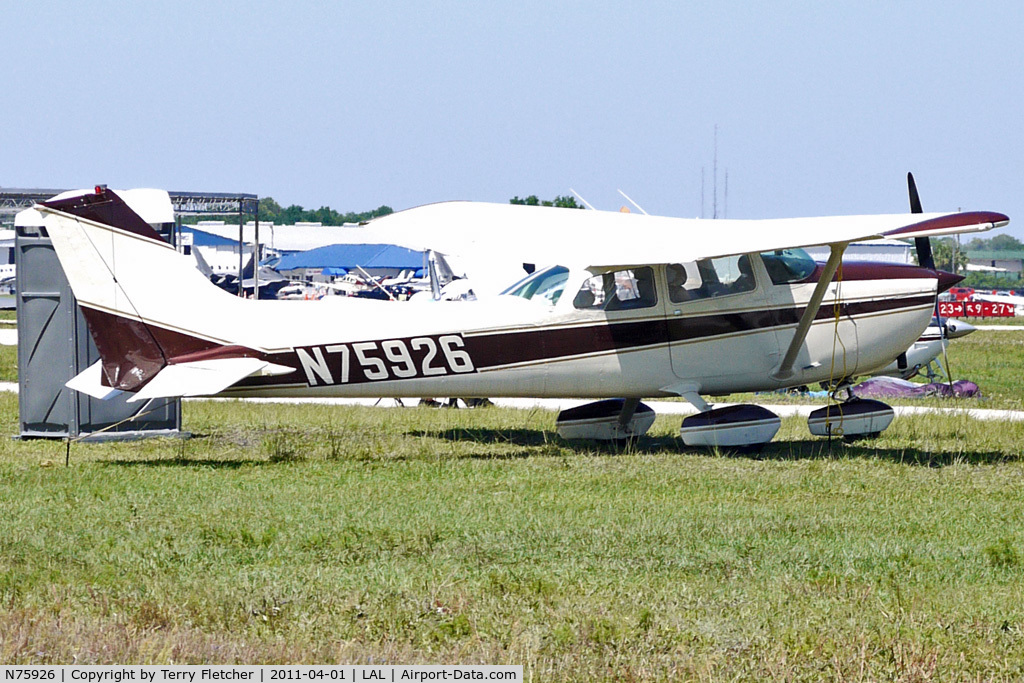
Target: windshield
point(544, 285)
point(788, 265)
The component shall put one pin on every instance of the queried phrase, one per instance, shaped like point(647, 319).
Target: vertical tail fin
point(110, 254)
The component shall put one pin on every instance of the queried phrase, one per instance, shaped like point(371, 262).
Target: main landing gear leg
point(629, 406)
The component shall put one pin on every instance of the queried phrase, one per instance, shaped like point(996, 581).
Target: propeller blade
point(915, 199)
point(925, 260)
point(923, 245)
point(924, 253)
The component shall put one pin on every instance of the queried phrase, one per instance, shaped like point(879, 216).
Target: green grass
point(316, 534)
point(319, 534)
point(1000, 321)
point(8, 363)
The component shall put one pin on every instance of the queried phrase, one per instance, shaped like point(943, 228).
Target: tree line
point(565, 202)
point(951, 257)
point(1000, 242)
point(272, 212)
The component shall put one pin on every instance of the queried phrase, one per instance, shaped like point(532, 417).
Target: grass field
point(314, 534)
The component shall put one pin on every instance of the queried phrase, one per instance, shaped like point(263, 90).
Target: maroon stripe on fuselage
point(791, 316)
point(106, 207)
point(875, 270)
point(503, 348)
point(707, 326)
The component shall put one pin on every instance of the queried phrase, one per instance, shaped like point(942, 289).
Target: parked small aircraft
point(270, 281)
point(632, 306)
point(926, 350)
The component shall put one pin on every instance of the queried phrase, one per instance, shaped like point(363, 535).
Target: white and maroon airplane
point(635, 306)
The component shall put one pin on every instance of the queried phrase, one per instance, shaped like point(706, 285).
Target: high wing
point(603, 238)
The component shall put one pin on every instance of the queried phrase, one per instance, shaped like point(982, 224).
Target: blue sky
point(821, 108)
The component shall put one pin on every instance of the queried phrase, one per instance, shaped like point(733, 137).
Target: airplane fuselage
point(512, 346)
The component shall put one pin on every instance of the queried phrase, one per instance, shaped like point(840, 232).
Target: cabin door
point(831, 346)
point(720, 331)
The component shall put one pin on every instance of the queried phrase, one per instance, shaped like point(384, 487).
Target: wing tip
point(952, 223)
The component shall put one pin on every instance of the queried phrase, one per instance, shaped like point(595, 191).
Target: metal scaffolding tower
point(13, 200)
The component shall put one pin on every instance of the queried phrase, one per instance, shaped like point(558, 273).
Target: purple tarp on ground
point(890, 387)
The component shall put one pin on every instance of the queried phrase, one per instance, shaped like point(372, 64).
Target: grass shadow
point(178, 461)
point(538, 439)
point(821, 449)
point(532, 443)
point(515, 437)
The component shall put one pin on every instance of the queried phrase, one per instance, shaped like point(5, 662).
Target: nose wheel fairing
point(853, 419)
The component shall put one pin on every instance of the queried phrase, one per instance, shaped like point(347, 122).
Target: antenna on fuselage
point(585, 202)
point(639, 208)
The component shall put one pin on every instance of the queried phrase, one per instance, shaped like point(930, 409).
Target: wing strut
point(785, 370)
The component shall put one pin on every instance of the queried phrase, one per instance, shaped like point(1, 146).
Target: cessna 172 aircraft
point(633, 306)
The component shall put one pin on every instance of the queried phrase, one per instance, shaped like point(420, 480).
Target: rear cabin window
point(709, 278)
point(621, 290)
point(786, 266)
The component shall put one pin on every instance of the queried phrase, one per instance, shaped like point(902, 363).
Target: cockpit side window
point(786, 266)
point(544, 285)
point(709, 278)
point(620, 290)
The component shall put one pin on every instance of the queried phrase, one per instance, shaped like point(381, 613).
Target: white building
point(886, 251)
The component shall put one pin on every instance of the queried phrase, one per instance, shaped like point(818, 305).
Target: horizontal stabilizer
point(90, 381)
point(205, 377)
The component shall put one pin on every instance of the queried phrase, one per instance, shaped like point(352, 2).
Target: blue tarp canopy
point(348, 256)
point(335, 270)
